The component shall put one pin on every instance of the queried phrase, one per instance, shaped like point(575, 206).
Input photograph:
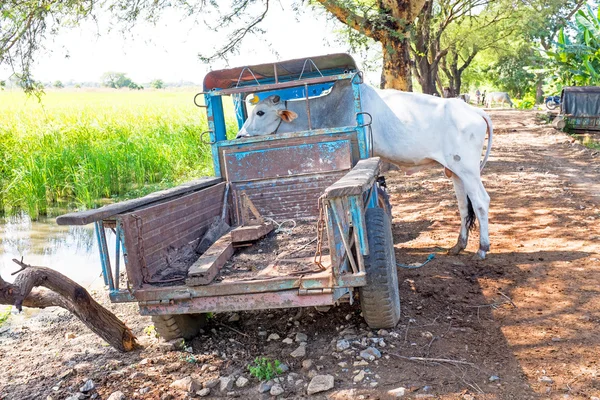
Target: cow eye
point(260, 113)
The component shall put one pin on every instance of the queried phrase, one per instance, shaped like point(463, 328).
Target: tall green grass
point(81, 148)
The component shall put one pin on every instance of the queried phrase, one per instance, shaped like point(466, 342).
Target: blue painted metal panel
point(101, 250)
point(216, 127)
point(358, 221)
point(238, 105)
point(363, 145)
point(117, 253)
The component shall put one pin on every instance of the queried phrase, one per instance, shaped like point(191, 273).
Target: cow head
point(266, 117)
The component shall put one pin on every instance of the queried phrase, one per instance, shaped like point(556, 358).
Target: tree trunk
point(396, 72)
point(66, 294)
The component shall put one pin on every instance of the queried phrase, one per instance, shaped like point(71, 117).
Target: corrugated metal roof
point(286, 70)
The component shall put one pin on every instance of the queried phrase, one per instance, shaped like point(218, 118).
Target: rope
point(429, 258)
point(280, 228)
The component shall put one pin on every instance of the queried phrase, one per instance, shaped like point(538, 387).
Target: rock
point(264, 387)
point(382, 332)
point(78, 396)
point(343, 364)
point(288, 341)
point(166, 346)
point(69, 335)
point(66, 373)
point(312, 373)
point(173, 367)
point(211, 383)
point(283, 367)
point(360, 363)
point(145, 390)
point(494, 378)
point(235, 317)
point(320, 383)
point(359, 377)
point(273, 336)
point(398, 392)
point(307, 364)
point(118, 395)
point(546, 379)
point(301, 337)
point(167, 396)
point(342, 345)
point(276, 390)
point(87, 386)
point(203, 392)
point(187, 384)
point(299, 352)
point(226, 383)
point(82, 367)
point(137, 375)
point(241, 382)
point(370, 354)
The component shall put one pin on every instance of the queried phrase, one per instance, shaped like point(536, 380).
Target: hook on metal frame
point(196, 101)
point(304, 67)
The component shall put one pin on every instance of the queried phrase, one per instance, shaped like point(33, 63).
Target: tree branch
point(353, 20)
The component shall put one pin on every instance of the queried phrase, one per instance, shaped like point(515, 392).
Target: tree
point(58, 85)
point(157, 84)
point(116, 80)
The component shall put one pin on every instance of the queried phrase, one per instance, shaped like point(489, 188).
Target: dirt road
point(523, 324)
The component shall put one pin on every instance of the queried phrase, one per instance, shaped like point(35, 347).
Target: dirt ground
point(523, 324)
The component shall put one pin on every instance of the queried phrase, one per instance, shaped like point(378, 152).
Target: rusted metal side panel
point(305, 158)
point(293, 197)
point(239, 302)
point(153, 231)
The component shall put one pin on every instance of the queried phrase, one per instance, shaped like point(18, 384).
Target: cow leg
point(481, 204)
point(461, 197)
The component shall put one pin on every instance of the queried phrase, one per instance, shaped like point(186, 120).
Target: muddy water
point(71, 250)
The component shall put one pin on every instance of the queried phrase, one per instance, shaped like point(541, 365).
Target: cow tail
point(490, 130)
point(470, 219)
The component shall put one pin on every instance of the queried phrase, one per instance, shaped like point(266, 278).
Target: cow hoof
point(479, 256)
point(454, 251)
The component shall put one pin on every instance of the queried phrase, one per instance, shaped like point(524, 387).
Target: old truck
point(321, 178)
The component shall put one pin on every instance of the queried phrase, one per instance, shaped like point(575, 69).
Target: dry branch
point(67, 294)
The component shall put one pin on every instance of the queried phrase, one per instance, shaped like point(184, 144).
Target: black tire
point(551, 104)
point(380, 298)
point(175, 326)
point(383, 200)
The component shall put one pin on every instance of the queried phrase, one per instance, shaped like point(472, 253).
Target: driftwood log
point(66, 294)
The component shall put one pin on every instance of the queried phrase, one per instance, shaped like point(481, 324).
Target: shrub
point(264, 369)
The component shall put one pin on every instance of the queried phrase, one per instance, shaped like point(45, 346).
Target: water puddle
point(70, 250)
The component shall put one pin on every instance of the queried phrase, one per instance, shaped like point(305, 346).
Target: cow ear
point(287, 115)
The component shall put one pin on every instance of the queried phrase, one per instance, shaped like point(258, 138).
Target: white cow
point(411, 130)
point(497, 97)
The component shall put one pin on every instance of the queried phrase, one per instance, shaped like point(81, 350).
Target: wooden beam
point(250, 233)
point(206, 268)
point(357, 181)
point(89, 216)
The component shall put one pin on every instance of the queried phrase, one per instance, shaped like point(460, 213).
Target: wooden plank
point(88, 216)
point(204, 270)
point(250, 233)
point(357, 181)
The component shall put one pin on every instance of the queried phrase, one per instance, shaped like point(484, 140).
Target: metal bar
point(111, 283)
point(363, 148)
point(275, 73)
point(336, 217)
point(216, 126)
point(284, 299)
point(281, 136)
point(117, 253)
point(280, 85)
point(102, 263)
point(359, 224)
point(307, 107)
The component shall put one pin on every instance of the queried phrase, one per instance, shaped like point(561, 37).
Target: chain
point(320, 229)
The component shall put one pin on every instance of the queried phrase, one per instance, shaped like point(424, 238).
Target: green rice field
point(80, 149)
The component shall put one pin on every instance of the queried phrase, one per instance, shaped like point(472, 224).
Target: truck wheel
point(383, 198)
point(176, 326)
point(380, 298)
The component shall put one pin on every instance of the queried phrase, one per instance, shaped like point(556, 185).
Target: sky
point(168, 50)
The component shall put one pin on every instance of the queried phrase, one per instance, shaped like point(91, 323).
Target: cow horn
point(276, 99)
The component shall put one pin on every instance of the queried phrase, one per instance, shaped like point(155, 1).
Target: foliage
point(117, 80)
point(157, 84)
point(512, 72)
point(58, 85)
point(527, 103)
point(4, 315)
point(264, 368)
point(577, 55)
point(151, 331)
point(81, 147)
